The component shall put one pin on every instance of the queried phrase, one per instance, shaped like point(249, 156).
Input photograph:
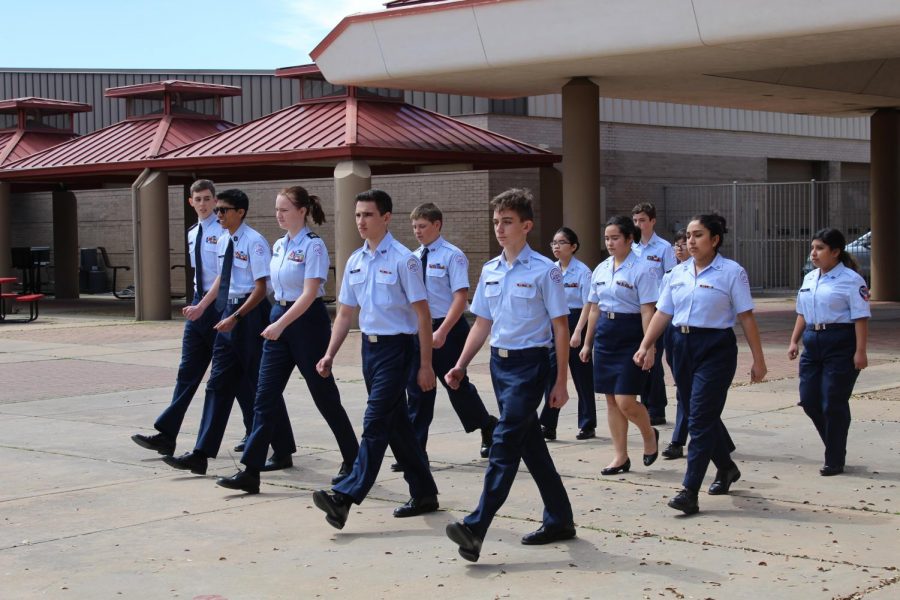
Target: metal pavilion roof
point(355, 125)
point(31, 136)
point(124, 146)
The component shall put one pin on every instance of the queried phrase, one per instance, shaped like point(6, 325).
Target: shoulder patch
point(744, 278)
point(460, 260)
point(864, 292)
point(412, 264)
point(556, 275)
point(318, 249)
point(258, 249)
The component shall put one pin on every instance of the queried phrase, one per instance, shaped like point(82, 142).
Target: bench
point(32, 301)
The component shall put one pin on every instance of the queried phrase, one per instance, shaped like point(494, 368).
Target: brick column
point(350, 178)
point(65, 244)
point(150, 204)
point(885, 204)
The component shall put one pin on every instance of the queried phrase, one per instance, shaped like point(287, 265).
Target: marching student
point(239, 296)
point(833, 319)
point(445, 273)
point(199, 332)
point(297, 336)
point(519, 301)
point(384, 280)
point(703, 298)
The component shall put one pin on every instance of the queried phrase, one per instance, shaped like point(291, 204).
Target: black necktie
point(425, 265)
point(225, 276)
point(198, 261)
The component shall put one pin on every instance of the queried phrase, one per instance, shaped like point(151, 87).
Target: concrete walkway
point(85, 513)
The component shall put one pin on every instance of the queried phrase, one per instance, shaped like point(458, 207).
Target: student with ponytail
point(297, 336)
point(833, 320)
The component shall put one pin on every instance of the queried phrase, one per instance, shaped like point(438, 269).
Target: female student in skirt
point(703, 298)
point(624, 289)
point(576, 282)
point(833, 320)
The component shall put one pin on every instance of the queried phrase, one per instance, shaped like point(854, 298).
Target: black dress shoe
point(673, 451)
point(242, 480)
point(397, 467)
point(417, 506)
point(685, 501)
point(189, 461)
point(341, 475)
point(548, 432)
point(469, 543)
point(658, 420)
point(240, 446)
point(649, 459)
point(335, 505)
point(828, 471)
point(159, 442)
point(586, 434)
point(544, 535)
point(623, 468)
point(487, 437)
point(276, 463)
point(722, 483)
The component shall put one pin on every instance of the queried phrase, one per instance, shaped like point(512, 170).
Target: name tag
point(804, 289)
point(570, 285)
point(522, 284)
point(385, 272)
point(705, 286)
point(491, 283)
point(624, 284)
point(353, 271)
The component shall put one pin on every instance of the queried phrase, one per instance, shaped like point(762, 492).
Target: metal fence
point(770, 224)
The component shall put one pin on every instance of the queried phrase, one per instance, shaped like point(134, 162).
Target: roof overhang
point(805, 56)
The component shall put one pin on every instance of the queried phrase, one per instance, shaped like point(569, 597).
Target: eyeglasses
point(679, 246)
point(221, 210)
point(555, 244)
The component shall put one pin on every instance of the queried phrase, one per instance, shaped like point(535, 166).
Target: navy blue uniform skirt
point(615, 342)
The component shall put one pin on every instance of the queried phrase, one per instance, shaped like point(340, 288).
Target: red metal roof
point(47, 106)
point(158, 88)
point(350, 127)
point(16, 145)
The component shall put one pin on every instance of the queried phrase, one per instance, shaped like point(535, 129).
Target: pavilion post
point(885, 204)
point(65, 244)
point(350, 178)
point(5, 230)
point(581, 165)
point(551, 190)
point(150, 205)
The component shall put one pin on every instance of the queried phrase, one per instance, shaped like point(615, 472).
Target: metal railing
point(770, 224)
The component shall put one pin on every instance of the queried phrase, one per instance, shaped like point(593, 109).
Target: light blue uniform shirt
point(447, 272)
point(576, 283)
point(520, 300)
point(383, 284)
point(623, 290)
point(658, 253)
point(296, 260)
point(209, 256)
point(838, 296)
point(251, 259)
point(712, 299)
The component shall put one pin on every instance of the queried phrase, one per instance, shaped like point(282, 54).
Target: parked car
point(861, 250)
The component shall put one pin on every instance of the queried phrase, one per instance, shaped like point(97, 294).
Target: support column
point(551, 189)
point(65, 244)
point(150, 206)
point(5, 230)
point(885, 204)
point(581, 165)
point(190, 217)
point(350, 178)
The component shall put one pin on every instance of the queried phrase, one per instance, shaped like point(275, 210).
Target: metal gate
point(770, 224)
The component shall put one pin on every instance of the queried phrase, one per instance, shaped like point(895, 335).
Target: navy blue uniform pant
point(680, 431)
point(386, 364)
point(300, 345)
point(196, 352)
point(519, 384)
point(654, 394)
point(582, 376)
point(827, 377)
point(465, 400)
point(235, 366)
point(704, 363)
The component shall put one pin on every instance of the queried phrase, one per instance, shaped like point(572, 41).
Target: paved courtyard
point(85, 513)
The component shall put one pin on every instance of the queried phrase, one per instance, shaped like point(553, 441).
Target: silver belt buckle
point(282, 303)
point(503, 352)
point(611, 316)
point(684, 329)
point(819, 327)
point(373, 339)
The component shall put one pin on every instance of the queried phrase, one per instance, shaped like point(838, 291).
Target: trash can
point(91, 275)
